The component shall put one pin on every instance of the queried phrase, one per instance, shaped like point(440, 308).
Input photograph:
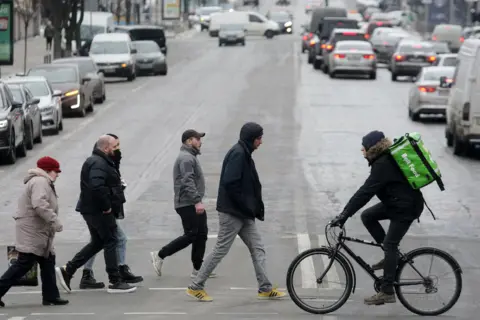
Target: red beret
point(48, 164)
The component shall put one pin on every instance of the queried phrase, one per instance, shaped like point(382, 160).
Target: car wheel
point(90, 107)
point(269, 34)
point(303, 50)
point(219, 44)
point(449, 137)
point(11, 155)
point(332, 74)
point(310, 59)
point(413, 116)
point(164, 71)
point(39, 138)
point(394, 76)
point(29, 136)
point(243, 43)
point(317, 64)
point(325, 68)
point(373, 75)
point(22, 148)
point(459, 147)
point(131, 77)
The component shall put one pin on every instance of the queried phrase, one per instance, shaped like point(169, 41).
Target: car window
point(109, 47)
point(57, 74)
point(28, 94)
point(415, 48)
point(3, 101)
point(17, 93)
point(146, 34)
point(435, 75)
point(449, 62)
point(254, 18)
point(37, 88)
point(8, 96)
point(86, 66)
point(147, 47)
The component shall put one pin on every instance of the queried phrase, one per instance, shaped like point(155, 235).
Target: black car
point(12, 126)
point(146, 32)
point(337, 36)
point(31, 111)
point(410, 57)
point(284, 20)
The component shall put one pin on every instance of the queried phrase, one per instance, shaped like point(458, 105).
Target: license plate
point(416, 60)
point(109, 70)
point(354, 58)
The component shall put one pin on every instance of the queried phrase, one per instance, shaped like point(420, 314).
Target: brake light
point(305, 38)
point(462, 39)
point(339, 56)
point(368, 56)
point(323, 46)
point(399, 57)
point(434, 38)
point(349, 33)
point(427, 89)
point(367, 36)
point(432, 59)
point(379, 23)
point(329, 47)
point(417, 46)
point(312, 43)
point(310, 35)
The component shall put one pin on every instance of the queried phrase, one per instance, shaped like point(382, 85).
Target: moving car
point(452, 34)
point(231, 34)
point(353, 57)
point(385, 44)
point(204, 16)
point(88, 69)
point(12, 126)
point(410, 57)
point(284, 20)
point(77, 92)
point(230, 17)
point(114, 55)
point(371, 26)
point(429, 95)
point(31, 112)
point(146, 32)
point(439, 47)
point(338, 35)
point(446, 60)
point(50, 103)
point(149, 58)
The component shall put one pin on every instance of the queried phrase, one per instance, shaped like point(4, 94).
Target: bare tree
point(28, 10)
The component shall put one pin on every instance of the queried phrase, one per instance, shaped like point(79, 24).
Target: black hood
point(249, 132)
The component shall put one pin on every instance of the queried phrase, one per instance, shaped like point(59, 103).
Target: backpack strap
point(431, 212)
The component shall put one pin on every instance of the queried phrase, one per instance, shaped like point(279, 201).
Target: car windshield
point(358, 45)
point(279, 16)
point(231, 27)
point(146, 47)
point(38, 88)
point(58, 74)
point(415, 48)
point(139, 34)
point(109, 47)
point(435, 75)
point(449, 62)
point(441, 47)
point(17, 93)
point(87, 32)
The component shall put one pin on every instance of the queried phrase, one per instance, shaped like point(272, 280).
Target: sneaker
point(89, 282)
point(380, 298)
point(195, 273)
point(54, 302)
point(64, 278)
point(200, 295)
point(379, 265)
point(273, 294)
point(120, 287)
point(128, 276)
point(157, 263)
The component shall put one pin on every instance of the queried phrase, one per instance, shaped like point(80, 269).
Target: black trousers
point(49, 43)
point(195, 233)
point(24, 263)
point(396, 231)
point(103, 230)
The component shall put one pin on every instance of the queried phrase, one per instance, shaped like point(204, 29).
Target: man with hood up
point(239, 203)
point(400, 203)
point(88, 280)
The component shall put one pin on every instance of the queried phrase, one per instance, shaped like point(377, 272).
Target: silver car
point(429, 95)
point(353, 57)
point(150, 58)
point(50, 104)
point(231, 34)
point(446, 60)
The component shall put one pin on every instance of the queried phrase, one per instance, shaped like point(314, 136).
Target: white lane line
point(215, 236)
point(306, 266)
point(64, 314)
point(247, 313)
point(13, 318)
point(333, 280)
point(153, 313)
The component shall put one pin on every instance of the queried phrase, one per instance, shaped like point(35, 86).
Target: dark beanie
point(251, 131)
point(372, 138)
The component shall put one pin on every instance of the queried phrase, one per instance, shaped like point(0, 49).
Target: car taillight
point(329, 47)
point(349, 33)
point(462, 39)
point(367, 36)
point(399, 57)
point(368, 56)
point(312, 43)
point(323, 46)
point(434, 38)
point(310, 35)
point(427, 89)
point(305, 38)
point(379, 23)
point(339, 56)
point(432, 59)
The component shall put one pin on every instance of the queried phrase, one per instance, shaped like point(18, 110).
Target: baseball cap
point(190, 133)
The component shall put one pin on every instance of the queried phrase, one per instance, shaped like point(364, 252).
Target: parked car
point(146, 32)
point(31, 111)
point(149, 58)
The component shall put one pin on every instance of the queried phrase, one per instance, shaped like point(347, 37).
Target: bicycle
point(332, 253)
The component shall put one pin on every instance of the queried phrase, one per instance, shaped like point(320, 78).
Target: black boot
point(55, 302)
point(89, 282)
point(128, 276)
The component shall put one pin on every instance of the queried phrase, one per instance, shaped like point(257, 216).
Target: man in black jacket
point(400, 203)
point(239, 202)
point(101, 196)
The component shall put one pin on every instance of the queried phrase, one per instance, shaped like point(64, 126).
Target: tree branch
point(25, 9)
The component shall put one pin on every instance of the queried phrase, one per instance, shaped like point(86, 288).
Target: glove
point(339, 220)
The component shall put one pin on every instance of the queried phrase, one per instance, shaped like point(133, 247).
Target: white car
point(446, 60)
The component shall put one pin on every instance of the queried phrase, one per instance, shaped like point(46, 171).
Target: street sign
point(6, 32)
point(171, 10)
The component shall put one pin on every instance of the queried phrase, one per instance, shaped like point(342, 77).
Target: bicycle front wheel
point(419, 278)
point(314, 295)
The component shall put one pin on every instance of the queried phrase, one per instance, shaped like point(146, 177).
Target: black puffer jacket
point(100, 186)
point(240, 190)
point(387, 182)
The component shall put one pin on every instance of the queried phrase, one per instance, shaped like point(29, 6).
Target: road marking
point(153, 313)
point(333, 279)
point(64, 314)
point(247, 313)
point(167, 289)
point(13, 318)
point(306, 266)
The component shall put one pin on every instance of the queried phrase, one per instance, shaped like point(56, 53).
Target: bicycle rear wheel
point(314, 295)
point(419, 266)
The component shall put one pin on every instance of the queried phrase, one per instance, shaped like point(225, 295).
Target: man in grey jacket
point(189, 189)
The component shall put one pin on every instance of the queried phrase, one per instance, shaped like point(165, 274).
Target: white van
point(463, 110)
point(93, 23)
point(452, 34)
point(115, 55)
point(256, 23)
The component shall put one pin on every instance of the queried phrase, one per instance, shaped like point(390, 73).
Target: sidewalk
point(35, 53)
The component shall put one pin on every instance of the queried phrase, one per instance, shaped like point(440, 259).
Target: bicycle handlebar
point(328, 232)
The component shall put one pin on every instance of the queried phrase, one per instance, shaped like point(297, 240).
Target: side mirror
point(86, 79)
point(133, 51)
point(17, 105)
point(375, 50)
point(446, 82)
point(57, 93)
point(33, 101)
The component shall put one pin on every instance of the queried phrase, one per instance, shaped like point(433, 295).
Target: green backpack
point(415, 161)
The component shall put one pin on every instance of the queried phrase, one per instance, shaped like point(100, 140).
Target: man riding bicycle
point(400, 203)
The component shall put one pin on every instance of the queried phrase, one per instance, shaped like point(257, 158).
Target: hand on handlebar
point(339, 220)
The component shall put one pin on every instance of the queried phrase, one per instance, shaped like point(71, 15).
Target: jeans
point(396, 231)
point(121, 250)
point(24, 263)
point(195, 233)
point(231, 226)
point(103, 233)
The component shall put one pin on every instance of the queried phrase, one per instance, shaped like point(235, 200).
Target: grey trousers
point(231, 226)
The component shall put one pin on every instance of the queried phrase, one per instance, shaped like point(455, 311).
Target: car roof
point(352, 42)
point(440, 68)
point(111, 37)
point(338, 30)
point(53, 66)
point(140, 26)
point(71, 59)
point(24, 79)
point(338, 19)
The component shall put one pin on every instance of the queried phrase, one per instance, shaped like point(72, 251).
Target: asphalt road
point(309, 165)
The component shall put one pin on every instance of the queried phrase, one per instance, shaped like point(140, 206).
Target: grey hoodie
point(188, 180)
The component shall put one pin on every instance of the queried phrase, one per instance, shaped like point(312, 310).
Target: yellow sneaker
point(271, 295)
point(200, 295)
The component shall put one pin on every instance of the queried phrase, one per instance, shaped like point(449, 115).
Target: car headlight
point(288, 24)
point(3, 124)
point(71, 93)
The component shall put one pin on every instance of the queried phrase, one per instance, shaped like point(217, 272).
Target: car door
point(15, 114)
point(255, 25)
point(88, 69)
point(85, 87)
point(34, 111)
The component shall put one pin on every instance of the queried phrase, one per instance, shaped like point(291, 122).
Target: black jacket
point(387, 182)
point(239, 190)
point(100, 186)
